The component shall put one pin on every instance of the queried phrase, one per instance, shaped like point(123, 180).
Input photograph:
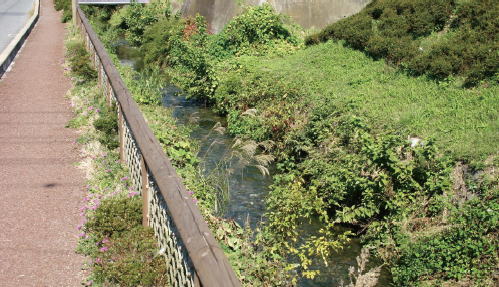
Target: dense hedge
point(440, 38)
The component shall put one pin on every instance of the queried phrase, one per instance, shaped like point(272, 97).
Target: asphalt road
point(13, 16)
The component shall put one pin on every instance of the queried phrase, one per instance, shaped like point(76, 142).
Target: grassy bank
point(409, 161)
point(462, 122)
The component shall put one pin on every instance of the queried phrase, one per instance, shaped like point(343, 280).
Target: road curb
point(9, 54)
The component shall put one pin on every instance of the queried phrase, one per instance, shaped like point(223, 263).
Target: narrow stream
point(247, 186)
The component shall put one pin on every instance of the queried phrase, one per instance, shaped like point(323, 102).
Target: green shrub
point(160, 41)
point(138, 17)
point(131, 259)
point(66, 7)
point(256, 26)
point(115, 216)
point(191, 54)
point(107, 125)
point(79, 61)
point(123, 252)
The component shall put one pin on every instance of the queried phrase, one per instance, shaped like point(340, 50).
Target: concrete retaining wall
point(8, 55)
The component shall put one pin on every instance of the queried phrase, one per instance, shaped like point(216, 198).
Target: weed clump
point(65, 6)
point(107, 125)
point(131, 259)
point(115, 216)
point(79, 61)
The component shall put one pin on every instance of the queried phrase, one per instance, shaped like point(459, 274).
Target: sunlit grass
point(462, 121)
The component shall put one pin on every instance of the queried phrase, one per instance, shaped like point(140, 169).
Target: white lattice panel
point(180, 269)
point(133, 157)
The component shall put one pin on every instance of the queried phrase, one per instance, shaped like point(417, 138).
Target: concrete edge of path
point(9, 54)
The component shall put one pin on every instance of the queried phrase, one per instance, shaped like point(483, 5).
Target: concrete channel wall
point(8, 55)
point(314, 14)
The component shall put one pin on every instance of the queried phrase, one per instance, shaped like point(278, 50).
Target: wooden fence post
point(73, 7)
point(121, 134)
point(145, 192)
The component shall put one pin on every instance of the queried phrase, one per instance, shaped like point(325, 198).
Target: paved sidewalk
point(40, 188)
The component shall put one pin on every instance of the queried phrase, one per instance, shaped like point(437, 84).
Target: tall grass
point(463, 122)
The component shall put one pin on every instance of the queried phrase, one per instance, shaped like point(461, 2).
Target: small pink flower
point(90, 108)
point(105, 240)
point(108, 170)
point(98, 260)
point(195, 200)
point(124, 178)
point(79, 227)
point(81, 235)
point(132, 194)
point(103, 249)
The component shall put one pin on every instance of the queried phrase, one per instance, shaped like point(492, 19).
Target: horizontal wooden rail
point(193, 255)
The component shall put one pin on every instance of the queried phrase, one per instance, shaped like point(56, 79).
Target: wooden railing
point(193, 256)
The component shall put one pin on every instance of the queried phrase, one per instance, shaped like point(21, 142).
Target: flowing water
point(247, 186)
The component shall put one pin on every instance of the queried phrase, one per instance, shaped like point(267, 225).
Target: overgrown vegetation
point(410, 162)
point(65, 7)
point(438, 38)
point(236, 241)
point(121, 251)
point(78, 59)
